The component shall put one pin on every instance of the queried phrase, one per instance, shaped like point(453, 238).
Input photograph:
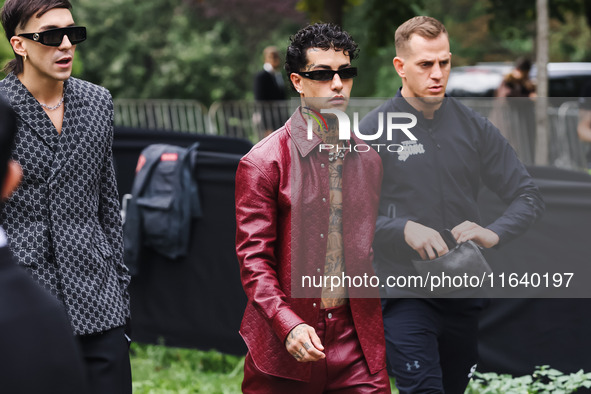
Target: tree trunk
point(333, 11)
point(542, 27)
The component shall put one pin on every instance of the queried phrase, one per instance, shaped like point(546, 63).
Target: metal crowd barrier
point(172, 115)
point(570, 151)
point(515, 118)
point(254, 120)
point(249, 119)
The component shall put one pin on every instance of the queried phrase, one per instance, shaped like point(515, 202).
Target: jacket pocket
point(155, 215)
point(101, 245)
point(104, 249)
point(108, 267)
point(28, 252)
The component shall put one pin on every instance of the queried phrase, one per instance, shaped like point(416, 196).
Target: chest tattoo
point(335, 260)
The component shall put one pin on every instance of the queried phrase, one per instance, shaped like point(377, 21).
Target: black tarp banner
point(196, 301)
point(516, 335)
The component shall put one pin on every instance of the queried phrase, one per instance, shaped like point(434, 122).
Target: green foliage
point(543, 380)
point(163, 370)
point(519, 13)
point(6, 53)
point(471, 39)
point(377, 76)
point(148, 49)
point(514, 25)
point(210, 49)
point(171, 49)
point(381, 18)
point(569, 41)
point(330, 11)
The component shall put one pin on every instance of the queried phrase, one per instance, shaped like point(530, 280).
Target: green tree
point(174, 48)
point(570, 23)
point(210, 49)
point(6, 53)
point(327, 11)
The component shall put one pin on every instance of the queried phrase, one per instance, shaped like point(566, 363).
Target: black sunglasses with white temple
point(54, 37)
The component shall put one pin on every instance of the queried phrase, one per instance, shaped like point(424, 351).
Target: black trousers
point(106, 356)
point(432, 344)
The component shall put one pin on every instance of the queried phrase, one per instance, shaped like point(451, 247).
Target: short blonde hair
point(424, 26)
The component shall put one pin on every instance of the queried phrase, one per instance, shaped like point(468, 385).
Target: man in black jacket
point(39, 352)
point(431, 185)
point(269, 88)
point(268, 83)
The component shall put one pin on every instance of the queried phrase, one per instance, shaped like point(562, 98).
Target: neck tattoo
point(329, 135)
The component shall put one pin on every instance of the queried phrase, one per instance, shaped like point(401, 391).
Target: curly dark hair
point(319, 35)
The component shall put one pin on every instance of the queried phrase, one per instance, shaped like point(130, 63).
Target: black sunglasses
point(328, 75)
point(54, 37)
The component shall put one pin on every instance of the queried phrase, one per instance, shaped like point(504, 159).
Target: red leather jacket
point(282, 214)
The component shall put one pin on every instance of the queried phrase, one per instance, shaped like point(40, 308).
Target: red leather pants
point(344, 369)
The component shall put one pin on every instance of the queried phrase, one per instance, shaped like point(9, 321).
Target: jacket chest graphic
point(410, 148)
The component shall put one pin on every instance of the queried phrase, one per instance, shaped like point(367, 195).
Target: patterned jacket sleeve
point(109, 208)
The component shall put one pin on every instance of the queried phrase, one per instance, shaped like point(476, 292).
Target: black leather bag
point(464, 261)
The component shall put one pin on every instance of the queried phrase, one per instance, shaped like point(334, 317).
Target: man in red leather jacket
point(306, 206)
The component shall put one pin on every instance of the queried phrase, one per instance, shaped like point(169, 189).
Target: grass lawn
point(166, 370)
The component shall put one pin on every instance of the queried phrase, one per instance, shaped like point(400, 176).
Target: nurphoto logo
point(345, 128)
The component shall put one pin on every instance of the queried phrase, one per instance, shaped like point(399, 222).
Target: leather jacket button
point(322, 165)
point(314, 305)
point(321, 235)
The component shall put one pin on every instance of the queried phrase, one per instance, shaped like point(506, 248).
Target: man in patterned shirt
point(63, 222)
point(47, 362)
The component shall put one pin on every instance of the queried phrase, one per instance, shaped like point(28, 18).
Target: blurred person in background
point(269, 87)
point(584, 125)
point(63, 223)
point(515, 115)
point(268, 83)
point(517, 82)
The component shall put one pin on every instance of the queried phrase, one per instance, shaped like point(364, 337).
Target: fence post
point(542, 27)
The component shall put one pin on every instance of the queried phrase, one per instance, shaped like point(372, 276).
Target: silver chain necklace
point(340, 153)
point(334, 156)
point(51, 108)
